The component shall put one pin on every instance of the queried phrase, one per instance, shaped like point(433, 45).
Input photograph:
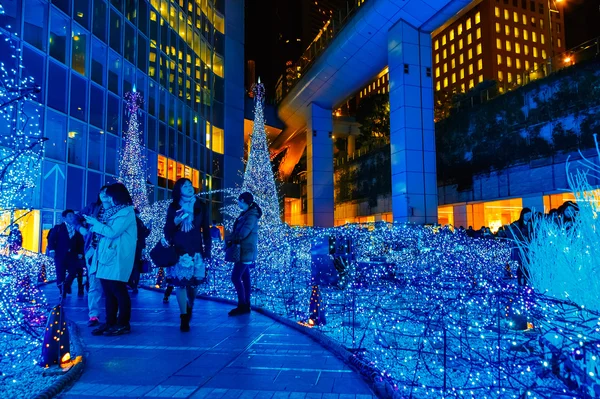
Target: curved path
point(246, 357)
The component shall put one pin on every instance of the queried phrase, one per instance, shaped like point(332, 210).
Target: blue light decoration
point(426, 311)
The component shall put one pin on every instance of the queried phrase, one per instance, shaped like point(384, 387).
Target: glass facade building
point(86, 54)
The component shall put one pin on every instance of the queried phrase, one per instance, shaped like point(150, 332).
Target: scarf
point(70, 230)
point(110, 212)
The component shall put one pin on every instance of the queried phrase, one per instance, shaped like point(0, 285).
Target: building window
point(478, 33)
point(79, 52)
point(438, 85)
point(499, 59)
point(59, 37)
point(470, 53)
point(437, 44)
point(462, 87)
point(507, 30)
point(524, 19)
point(471, 69)
point(461, 59)
point(469, 38)
point(506, 15)
point(535, 52)
point(518, 63)
point(526, 65)
point(479, 48)
point(508, 62)
point(480, 65)
point(444, 40)
point(516, 30)
point(437, 58)
point(500, 77)
point(445, 67)
point(541, 23)
point(462, 73)
point(541, 8)
point(468, 23)
point(460, 29)
point(452, 49)
point(509, 77)
point(526, 49)
point(542, 39)
point(437, 73)
point(77, 143)
point(543, 54)
point(445, 82)
point(471, 84)
point(557, 28)
point(517, 48)
point(515, 17)
point(498, 27)
point(454, 78)
point(508, 46)
point(480, 78)
point(477, 18)
point(499, 44)
point(534, 37)
point(445, 54)
point(525, 35)
point(558, 43)
point(497, 11)
point(453, 63)
point(451, 34)
point(460, 44)
point(36, 23)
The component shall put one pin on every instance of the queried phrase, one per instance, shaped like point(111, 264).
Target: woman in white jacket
point(114, 258)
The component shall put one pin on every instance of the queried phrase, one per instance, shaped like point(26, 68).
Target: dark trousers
point(65, 274)
point(134, 280)
point(240, 276)
point(117, 302)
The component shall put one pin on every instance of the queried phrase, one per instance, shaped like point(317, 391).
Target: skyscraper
point(87, 54)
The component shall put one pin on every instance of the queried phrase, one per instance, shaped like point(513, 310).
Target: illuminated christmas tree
point(132, 167)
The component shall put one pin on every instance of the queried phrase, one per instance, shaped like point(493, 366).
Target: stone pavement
point(247, 357)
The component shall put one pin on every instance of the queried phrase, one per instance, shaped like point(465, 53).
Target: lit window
point(480, 65)
point(471, 69)
point(524, 19)
point(499, 44)
point(462, 73)
point(518, 76)
point(501, 89)
point(559, 43)
point(437, 72)
point(534, 37)
point(526, 65)
point(543, 54)
point(438, 85)
point(508, 46)
point(445, 82)
point(506, 15)
point(516, 32)
point(437, 58)
point(454, 78)
point(498, 27)
point(478, 34)
point(445, 67)
point(468, 23)
point(470, 53)
point(526, 49)
point(535, 66)
point(517, 48)
point(497, 12)
point(437, 44)
point(500, 78)
point(541, 23)
point(507, 30)
point(459, 30)
point(471, 84)
point(445, 54)
point(508, 62)
point(453, 63)
point(469, 38)
point(444, 40)
point(452, 34)
point(480, 78)
point(525, 35)
point(518, 63)
point(535, 53)
point(461, 59)
point(452, 49)
point(460, 44)
point(499, 59)
point(477, 18)
point(218, 143)
point(515, 17)
point(479, 48)
point(509, 77)
point(542, 40)
point(462, 87)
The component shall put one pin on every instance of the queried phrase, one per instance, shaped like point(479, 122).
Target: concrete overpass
point(393, 33)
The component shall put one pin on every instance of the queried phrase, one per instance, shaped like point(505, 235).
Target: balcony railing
point(330, 30)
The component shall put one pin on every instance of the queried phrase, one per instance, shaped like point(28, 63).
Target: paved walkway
point(246, 357)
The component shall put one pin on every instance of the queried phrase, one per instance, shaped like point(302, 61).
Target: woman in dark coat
point(244, 234)
point(520, 234)
point(188, 230)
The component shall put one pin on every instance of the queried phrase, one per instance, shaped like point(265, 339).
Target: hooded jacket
point(245, 233)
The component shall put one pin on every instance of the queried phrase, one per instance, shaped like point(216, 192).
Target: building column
point(412, 131)
point(535, 203)
point(351, 144)
point(460, 215)
point(319, 158)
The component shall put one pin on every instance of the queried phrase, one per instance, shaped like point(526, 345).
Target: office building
point(185, 57)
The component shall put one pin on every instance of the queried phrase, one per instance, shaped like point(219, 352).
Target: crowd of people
point(106, 242)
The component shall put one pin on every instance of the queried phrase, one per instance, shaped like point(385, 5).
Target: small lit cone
point(317, 313)
point(160, 277)
point(42, 275)
point(56, 347)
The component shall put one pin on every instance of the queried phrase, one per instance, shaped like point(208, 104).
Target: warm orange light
point(567, 60)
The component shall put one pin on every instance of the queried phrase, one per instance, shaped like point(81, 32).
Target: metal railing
point(319, 44)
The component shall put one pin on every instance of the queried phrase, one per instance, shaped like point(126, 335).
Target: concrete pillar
point(535, 203)
point(351, 144)
point(460, 216)
point(319, 173)
point(414, 183)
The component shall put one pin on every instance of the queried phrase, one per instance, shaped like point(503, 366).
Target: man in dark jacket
point(65, 245)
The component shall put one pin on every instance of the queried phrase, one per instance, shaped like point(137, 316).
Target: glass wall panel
point(77, 143)
point(79, 54)
point(78, 97)
point(152, 97)
point(112, 114)
point(59, 36)
point(129, 77)
point(98, 62)
point(130, 36)
point(11, 16)
point(131, 10)
point(151, 133)
point(81, 12)
point(142, 54)
point(56, 132)
point(75, 188)
point(96, 149)
point(99, 20)
point(34, 64)
point(97, 106)
point(94, 182)
point(143, 16)
point(64, 5)
point(116, 31)
point(57, 87)
point(112, 146)
point(114, 73)
point(35, 23)
point(162, 138)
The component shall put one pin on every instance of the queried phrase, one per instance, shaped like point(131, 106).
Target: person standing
point(114, 258)
point(65, 246)
point(244, 234)
point(187, 229)
point(520, 233)
point(95, 210)
point(142, 233)
point(15, 239)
